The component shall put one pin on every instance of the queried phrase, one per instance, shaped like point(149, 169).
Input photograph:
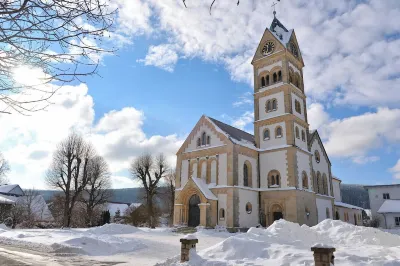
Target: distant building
point(385, 204)
point(13, 194)
point(114, 207)
point(343, 211)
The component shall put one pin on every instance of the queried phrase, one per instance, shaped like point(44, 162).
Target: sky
point(175, 64)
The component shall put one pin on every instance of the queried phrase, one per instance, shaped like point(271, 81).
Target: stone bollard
point(188, 242)
point(323, 255)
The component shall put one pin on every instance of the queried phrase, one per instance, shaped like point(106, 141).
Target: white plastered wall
point(273, 161)
point(184, 172)
point(376, 198)
point(214, 140)
point(350, 213)
point(295, 97)
point(303, 164)
point(336, 190)
point(298, 141)
point(247, 220)
point(322, 204)
point(222, 198)
point(273, 141)
point(280, 105)
point(322, 166)
point(222, 169)
point(253, 162)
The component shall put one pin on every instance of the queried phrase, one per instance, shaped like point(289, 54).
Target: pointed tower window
point(275, 77)
point(274, 105)
point(267, 80)
point(278, 132)
point(303, 135)
point(279, 75)
point(208, 140)
point(266, 134)
point(203, 138)
point(245, 175)
point(268, 106)
point(297, 133)
point(262, 82)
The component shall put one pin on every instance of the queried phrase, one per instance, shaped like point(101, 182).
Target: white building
point(385, 204)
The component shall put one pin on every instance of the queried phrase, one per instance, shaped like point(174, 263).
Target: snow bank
point(286, 243)
point(113, 229)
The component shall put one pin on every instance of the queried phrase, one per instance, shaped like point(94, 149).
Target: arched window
point(317, 157)
point(279, 75)
point(222, 214)
point(303, 135)
point(245, 175)
point(275, 77)
point(328, 213)
point(249, 208)
point(297, 106)
point(266, 134)
point(262, 82)
point(297, 133)
point(319, 184)
point(290, 78)
point(304, 180)
point(274, 179)
point(267, 80)
point(325, 184)
point(274, 105)
point(203, 138)
point(208, 140)
point(198, 142)
point(268, 106)
point(278, 132)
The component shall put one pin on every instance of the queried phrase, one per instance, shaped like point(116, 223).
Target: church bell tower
point(279, 101)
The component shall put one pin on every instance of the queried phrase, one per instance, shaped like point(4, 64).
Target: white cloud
point(349, 47)
point(162, 56)
point(28, 142)
point(355, 137)
point(396, 170)
point(316, 115)
point(244, 120)
point(245, 99)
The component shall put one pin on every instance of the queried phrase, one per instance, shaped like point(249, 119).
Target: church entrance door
point(278, 215)
point(194, 211)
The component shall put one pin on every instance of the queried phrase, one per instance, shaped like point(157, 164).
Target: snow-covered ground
point(283, 243)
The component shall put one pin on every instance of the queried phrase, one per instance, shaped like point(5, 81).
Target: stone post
point(187, 243)
point(323, 255)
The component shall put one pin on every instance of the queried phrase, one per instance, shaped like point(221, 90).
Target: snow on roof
point(390, 206)
point(236, 135)
point(7, 188)
point(280, 32)
point(345, 205)
point(204, 188)
point(114, 207)
point(6, 200)
point(136, 205)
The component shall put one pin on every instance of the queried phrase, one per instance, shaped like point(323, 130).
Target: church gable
point(203, 135)
point(315, 138)
point(293, 41)
point(264, 42)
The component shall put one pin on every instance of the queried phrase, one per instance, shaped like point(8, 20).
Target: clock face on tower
point(268, 48)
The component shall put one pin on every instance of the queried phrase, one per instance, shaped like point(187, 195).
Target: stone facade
point(227, 177)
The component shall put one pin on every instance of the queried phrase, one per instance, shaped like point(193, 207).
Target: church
point(230, 178)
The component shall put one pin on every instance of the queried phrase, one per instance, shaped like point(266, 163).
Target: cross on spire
point(273, 5)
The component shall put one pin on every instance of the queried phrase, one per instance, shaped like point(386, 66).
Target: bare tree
point(29, 203)
point(170, 183)
point(4, 169)
point(69, 171)
point(97, 191)
point(149, 171)
point(63, 39)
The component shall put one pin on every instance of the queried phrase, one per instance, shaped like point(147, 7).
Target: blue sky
point(177, 64)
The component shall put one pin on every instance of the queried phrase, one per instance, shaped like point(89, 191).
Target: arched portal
point(277, 212)
point(194, 211)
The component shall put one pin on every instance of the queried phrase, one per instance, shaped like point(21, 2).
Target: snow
point(7, 188)
point(390, 206)
point(345, 205)
point(204, 188)
point(283, 243)
point(189, 237)
point(6, 200)
point(112, 229)
point(286, 243)
point(279, 32)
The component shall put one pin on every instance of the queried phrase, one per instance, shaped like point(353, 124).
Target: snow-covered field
point(283, 243)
